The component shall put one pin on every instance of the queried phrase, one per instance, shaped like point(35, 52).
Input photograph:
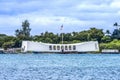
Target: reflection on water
point(59, 66)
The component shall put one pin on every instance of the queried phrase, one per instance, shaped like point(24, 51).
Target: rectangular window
point(69, 47)
point(50, 47)
point(58, 47)
point(54, 47)
point(74, 47)
point(66, 48)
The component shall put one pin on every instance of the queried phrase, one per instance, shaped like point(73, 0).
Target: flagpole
point(62, 33)
point(62, 38)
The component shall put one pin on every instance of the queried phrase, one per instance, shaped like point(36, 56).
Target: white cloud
point(48, 15)
point(115, 4)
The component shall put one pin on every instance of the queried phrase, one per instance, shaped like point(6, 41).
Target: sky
point(49, 15)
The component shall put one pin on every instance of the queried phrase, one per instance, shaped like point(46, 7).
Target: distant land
point(107, 40)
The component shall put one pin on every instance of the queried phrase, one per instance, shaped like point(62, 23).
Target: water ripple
point(60, 67)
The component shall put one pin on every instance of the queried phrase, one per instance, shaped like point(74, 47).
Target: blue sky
point(49, 15)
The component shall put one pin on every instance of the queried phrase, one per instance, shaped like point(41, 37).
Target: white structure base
point(110, 51)
point(32, 46)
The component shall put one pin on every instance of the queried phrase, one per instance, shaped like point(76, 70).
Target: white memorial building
point(31, 46)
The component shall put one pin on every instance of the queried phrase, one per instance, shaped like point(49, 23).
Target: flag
point(61, 27)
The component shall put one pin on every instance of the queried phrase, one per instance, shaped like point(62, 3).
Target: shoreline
point(60, 53)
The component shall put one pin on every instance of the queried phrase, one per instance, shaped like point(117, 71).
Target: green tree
point(24, 33)
point(8, 45)
point(107, 32)
point(2, 38)
point(106, 39)
point(75, 41)
point(82, 36)
point(116, 34)
point(115, 44)
point(48, 40)
point(115, 24)
point(96, 34)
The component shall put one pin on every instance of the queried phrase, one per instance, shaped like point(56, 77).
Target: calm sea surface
point(59, 66)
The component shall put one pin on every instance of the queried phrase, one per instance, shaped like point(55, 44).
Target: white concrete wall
point(110, 50)
point(24, 46)
point(88, 46)
point(44, 47)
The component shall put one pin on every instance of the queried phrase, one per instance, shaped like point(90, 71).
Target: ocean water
point(59, 66)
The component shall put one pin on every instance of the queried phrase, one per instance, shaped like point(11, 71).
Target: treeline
point(49, 37)
point(74, 37)
point(106, 39)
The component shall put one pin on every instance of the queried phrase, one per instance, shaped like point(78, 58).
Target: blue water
point(59, 66)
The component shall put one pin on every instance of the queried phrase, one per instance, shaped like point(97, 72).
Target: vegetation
point(24, 33)
point(106, 39)
point(15, 42)
point(115, 44)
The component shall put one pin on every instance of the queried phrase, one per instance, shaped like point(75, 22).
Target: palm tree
point(107, 32)
point(17, 32)
point(116, 24)
point(25, 31)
